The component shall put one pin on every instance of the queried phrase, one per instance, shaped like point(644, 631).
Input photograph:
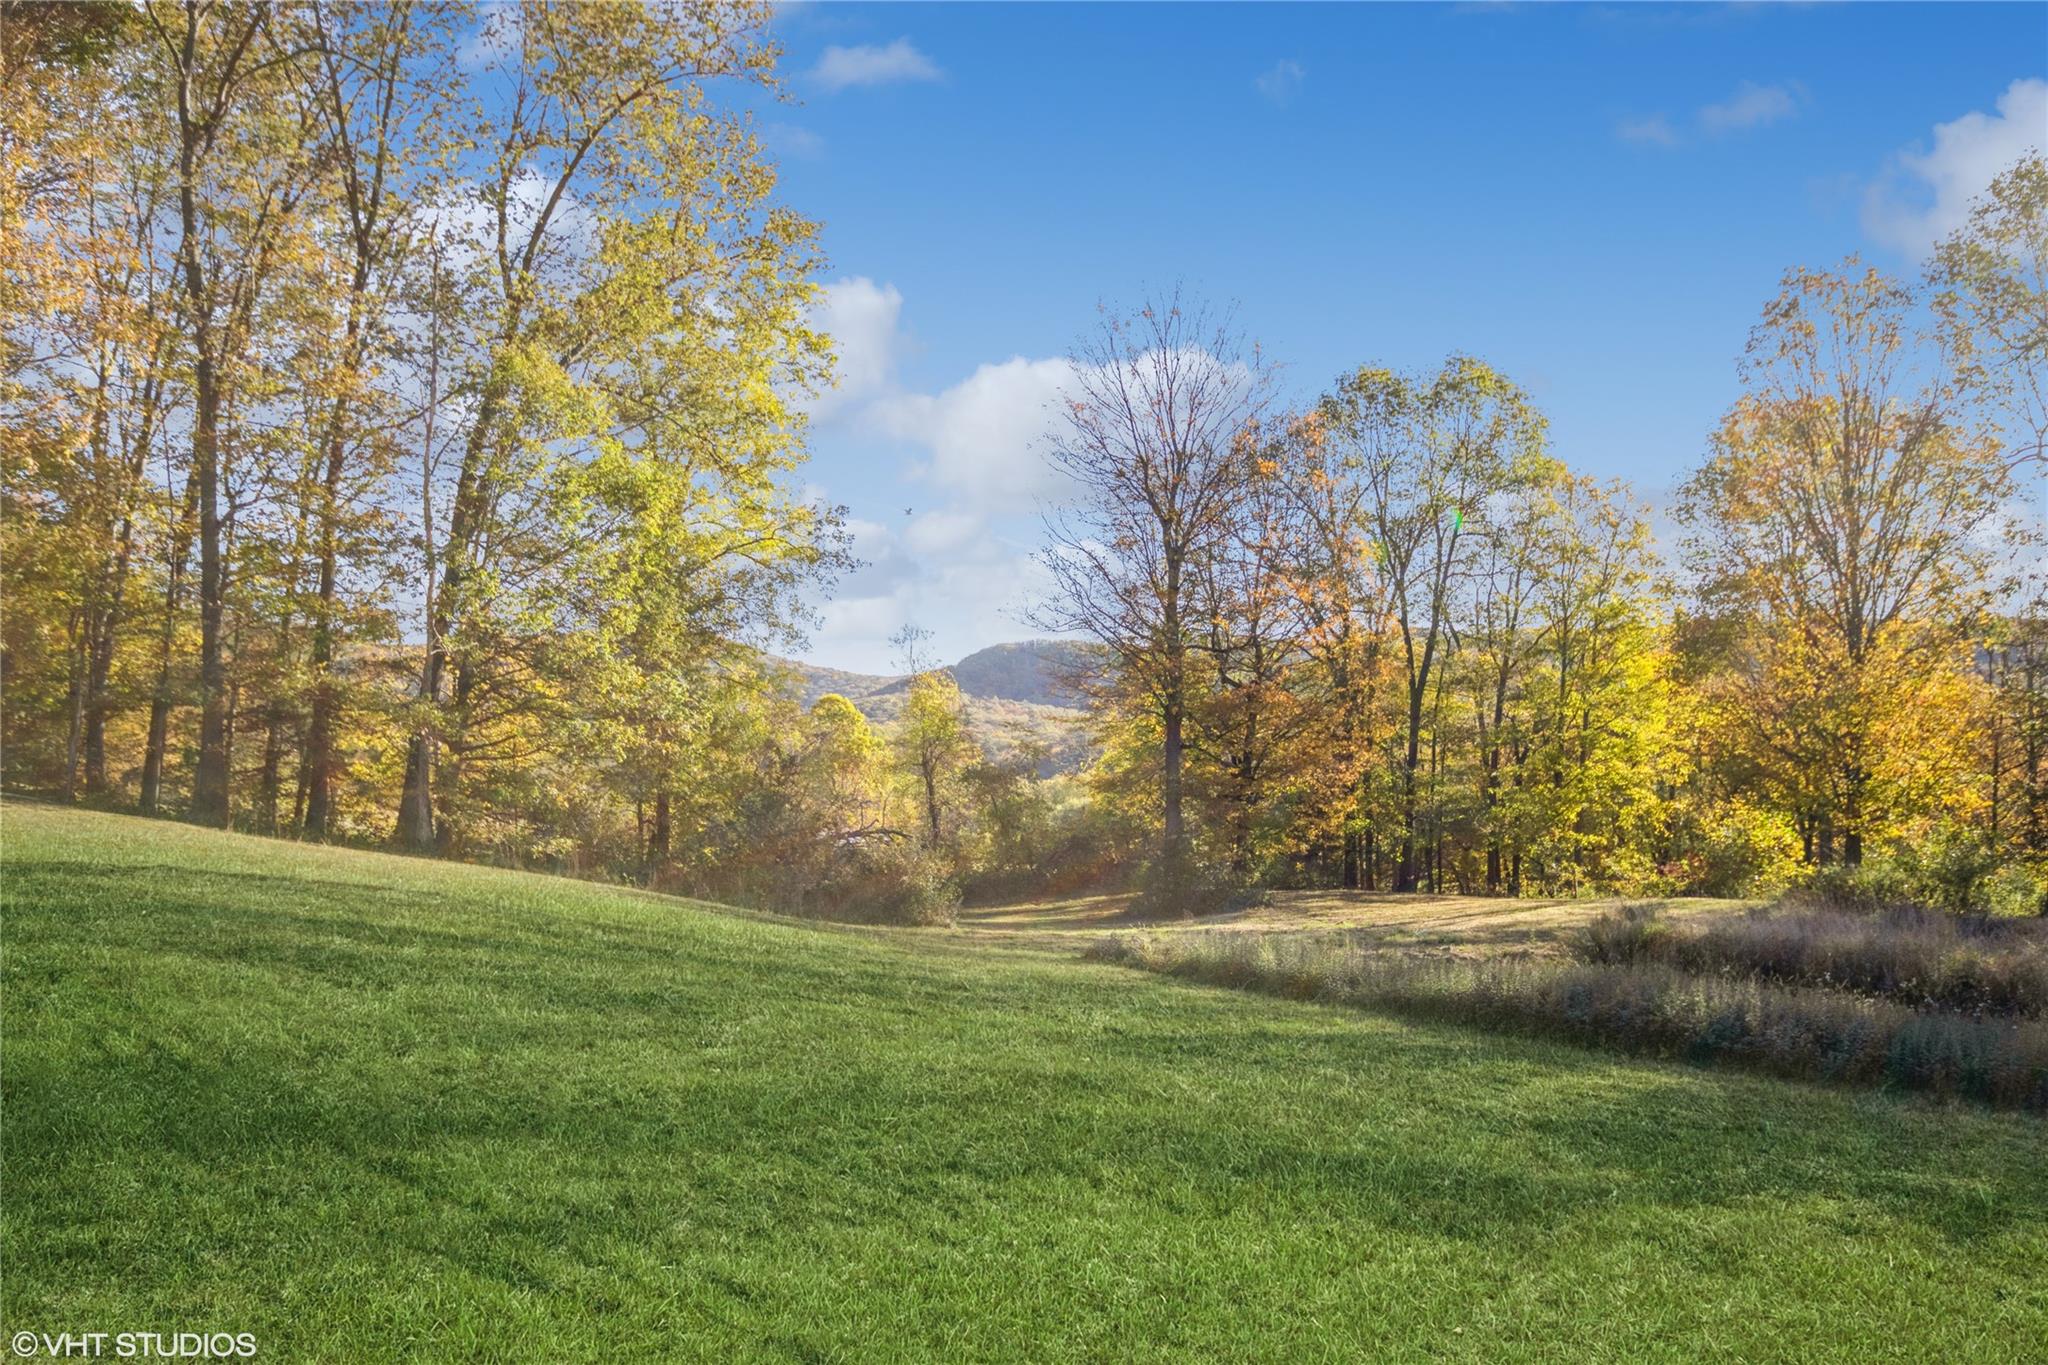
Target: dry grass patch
point(1645, 1008)
point(1919, 958)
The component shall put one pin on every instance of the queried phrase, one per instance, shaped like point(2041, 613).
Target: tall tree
point(1157, 443)
point(1842, 505)
point(90, 369)
point(1431, 456)
point(934, 745)
point(1336, 585)
point(1247, 725)
point(382, 82)
point(1597, 739)
point(1501, 634)
point(618, 218)
point(241, 173)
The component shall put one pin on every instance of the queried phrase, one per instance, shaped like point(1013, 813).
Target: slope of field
point(370, 1108)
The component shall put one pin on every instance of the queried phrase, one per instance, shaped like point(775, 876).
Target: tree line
point(403, 411)
point(401, 403)
point(1389, 639)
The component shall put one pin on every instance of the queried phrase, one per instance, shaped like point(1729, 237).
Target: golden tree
point(1844, 511)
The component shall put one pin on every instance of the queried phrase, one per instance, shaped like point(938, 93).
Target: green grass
point(366, 1107)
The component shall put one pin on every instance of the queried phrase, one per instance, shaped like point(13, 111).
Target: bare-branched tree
point(1157, 441)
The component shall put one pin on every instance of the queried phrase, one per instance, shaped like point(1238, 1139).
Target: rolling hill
point(1021, 698)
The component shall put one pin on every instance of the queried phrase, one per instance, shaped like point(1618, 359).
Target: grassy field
point(1469, 926)
point(371, 1108)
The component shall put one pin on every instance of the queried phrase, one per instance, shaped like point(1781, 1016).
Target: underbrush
point(897, 884)
point(1901, 953)
point(1949, 869)
point(1637, 1006)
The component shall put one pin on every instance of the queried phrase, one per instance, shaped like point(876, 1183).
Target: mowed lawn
point(372, 1108)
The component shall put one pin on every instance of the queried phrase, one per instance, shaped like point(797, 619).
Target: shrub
point(1624, 935)
point(1867, 888)
point(1184, 889)
point(1747, 851)
point(2017, 889)
point(1951, 869)
point(1048, 847)
point(895, 883)
point(925, 893)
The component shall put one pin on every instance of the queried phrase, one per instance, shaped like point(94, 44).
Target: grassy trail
point(371, 1108)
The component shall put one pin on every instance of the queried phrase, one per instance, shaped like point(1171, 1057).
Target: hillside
point(1020, 698)
point(1043, 672)
point(362, 1107)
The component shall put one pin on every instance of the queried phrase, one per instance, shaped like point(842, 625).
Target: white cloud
point(854, 629)
point(868, 536)
point(970, 592)
point(943, 532)
point(1279, 81)
point(861, 318)
point(1923, 195)
point(982, 434)
point(465, 222)
point(843, 68)
point(961, 566)
point(1652, 131)
point(1751, 106)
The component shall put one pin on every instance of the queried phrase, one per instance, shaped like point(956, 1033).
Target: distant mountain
point(818, 680)
point(1040, 671)
point(1020, 698)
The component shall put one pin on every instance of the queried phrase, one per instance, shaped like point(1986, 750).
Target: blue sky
point(1596, 199)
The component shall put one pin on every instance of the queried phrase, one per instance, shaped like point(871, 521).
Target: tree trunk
point(2033, 792)
point(416, 804)
point(658, 838)
point(1852, 816)
point(931, 805)
point(320, 727)
point(299, 796)
point(86, 626)
point(116, 592)
point(1170, 792)
point(160, 700)
point(269, 783)
point(74, 705)
point(153, 747)
point(1405, 873)
point(210, 779)
point(416, 801)
point(99, 668)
